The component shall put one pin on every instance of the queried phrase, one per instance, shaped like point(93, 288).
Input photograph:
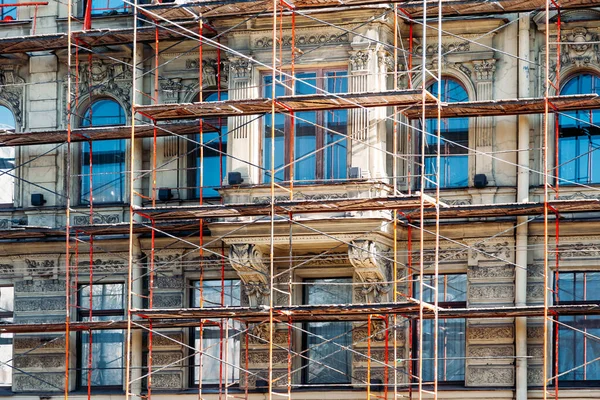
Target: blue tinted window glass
point(215, 155)
point(454, 133)
point(7, 159)
point(336, 122)
point(305, 167)
point(279, 143)
point(107, 7)
point(108, 156)
point(579, 139)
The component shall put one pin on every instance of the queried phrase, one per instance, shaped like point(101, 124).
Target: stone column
point(484, 126)
point(490, 277)
point(244, 132)
point(367, 67)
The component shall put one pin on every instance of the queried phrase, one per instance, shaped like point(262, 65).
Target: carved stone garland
point(11, 91)
point(246, 259)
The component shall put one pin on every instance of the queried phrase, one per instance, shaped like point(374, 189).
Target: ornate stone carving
point(490, 376)
point(484, 69)
point(578, 49)
point(498, 293)
point(7, 269)
point(106, 78)
point(359, 60)
point(170, 90)
point(302, 40)
point(483, 333)
point(371, 262)
point(325, 260)
point(4, 223)
point(485, 250)
point(104, 265)
point(40, 268)
point(246, 259)
point(97, 219)
point(210, 70)
point(240, 68)
point(11, 90)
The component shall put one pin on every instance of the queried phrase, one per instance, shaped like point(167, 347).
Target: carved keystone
point(246, 259)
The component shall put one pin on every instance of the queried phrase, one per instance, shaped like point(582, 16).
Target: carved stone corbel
point(246, 259)
point(372, 266)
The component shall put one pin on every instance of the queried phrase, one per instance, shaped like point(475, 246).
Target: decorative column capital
point(359, 60)
point(484, 69)
point(246, 259)
point(240, 68)
point(371, 262)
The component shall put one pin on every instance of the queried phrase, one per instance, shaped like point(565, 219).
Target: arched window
point(215, 151)
point(107, 156)
point(454, 161)
point(7, 159)
point(579, 136)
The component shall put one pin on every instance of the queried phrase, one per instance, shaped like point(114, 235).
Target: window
point(454, 161)
point(7, 159)
point(579, 139)
point(320, 143)
point(7, 297)
point(328, 361)
point(8, 13)
point(215, 154)
point(108, 156)
point(108, 7)
point(216, 346)
point(576, 348)
point(107, 353)
point(452, 291)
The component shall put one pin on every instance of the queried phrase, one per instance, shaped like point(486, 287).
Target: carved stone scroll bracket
point(247, 260)
point(371, 262)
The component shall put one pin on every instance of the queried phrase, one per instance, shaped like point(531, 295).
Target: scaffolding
point(421, 212)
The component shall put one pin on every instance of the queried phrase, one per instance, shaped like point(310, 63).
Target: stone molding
point(240, 68)
point(247, 260)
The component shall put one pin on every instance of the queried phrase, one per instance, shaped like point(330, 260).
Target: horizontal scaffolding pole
point(88, 38)
point(408, 204)
point(284, 104)
point(103, 133)
point(216, 9)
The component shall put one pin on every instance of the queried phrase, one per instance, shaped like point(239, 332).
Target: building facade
point(332, 257)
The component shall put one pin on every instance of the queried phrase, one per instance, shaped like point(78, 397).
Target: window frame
point(84, 313)
point(459, 82)
point(14, 158)
point(304, 350)
point(320, 132)
point(595, 75)
point(124, 10)
point(444, 304)
point(573, 382)
point(193, 159)
point(192, 367)
point(84, 155)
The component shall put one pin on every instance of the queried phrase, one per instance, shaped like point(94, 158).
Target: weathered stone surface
point(167, 339)
point(535, 292)
point(39, 319)
point(169, 282)
point(262, 357)
point(504, 293)
point(535, 271)
point(537, 352)
point(535, 376)
point(39, 303)
point(162, 359)
point(489, 333)
point(41, 286)
point(492, 271)
point(535, 332)
point(491, 351)
point(40, 343)
point(490, 376)
point(48, 382)
point(46, 361)
point(171, 300)
point(172, 380)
